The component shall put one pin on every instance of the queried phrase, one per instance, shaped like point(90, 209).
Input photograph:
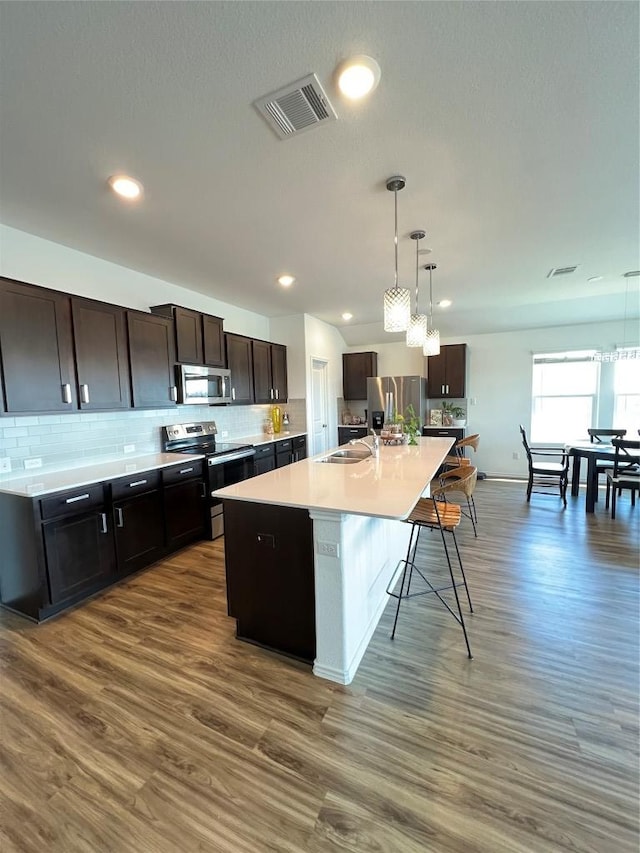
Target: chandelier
point(397, 300)
point(417, 328)
point(432, 340)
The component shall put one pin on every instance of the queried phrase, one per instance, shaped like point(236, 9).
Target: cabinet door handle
point(138, 483)
point(233, 393)
point(103, 527)
point(447, 389)
point(277, 393)
point(78, 498)
point(271, 393)
point(84, 393)
point(185, 470)
point(120, 521)
point(203, 490)
point(66, 393)
point(173, 393)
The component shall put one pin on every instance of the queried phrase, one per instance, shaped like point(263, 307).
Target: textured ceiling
point(515, 124)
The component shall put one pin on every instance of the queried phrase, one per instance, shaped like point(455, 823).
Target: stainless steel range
point(226, 462)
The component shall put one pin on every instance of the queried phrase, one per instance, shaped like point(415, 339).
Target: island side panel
point(351, 584)
point(270, 578)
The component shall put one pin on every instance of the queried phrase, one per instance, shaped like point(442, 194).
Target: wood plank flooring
point(138, 723)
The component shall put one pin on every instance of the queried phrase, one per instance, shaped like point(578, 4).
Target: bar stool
point(434, 514)
point(458, 458)
point(462, 479)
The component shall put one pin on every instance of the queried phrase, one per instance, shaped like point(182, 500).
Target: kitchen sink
point(351, 454)
point(342, 460)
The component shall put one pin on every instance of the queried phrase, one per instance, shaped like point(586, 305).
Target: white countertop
point(263, 438)
point(42, 482)
point(383, 487)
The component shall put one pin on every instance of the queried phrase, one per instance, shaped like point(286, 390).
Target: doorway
point(319, 405)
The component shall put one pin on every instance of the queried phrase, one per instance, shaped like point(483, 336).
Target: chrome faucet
point(373, 448)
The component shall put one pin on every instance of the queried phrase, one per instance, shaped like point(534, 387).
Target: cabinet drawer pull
point(120, 518)
point(138, 483)
point(103, 528)
point(66, 393)
point(78, 498)
point(173, 393)
point(84, 393)
point(185, 470)
point(233, 393)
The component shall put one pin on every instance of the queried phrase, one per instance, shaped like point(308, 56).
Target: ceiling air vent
point(296, 108)
point(561, 271)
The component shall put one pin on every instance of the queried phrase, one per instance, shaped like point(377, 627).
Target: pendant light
point(417, 328)
point(397, 300)
point(432, 342)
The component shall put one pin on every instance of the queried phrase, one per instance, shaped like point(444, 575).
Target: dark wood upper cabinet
point(279, 372)
point(357, 367)
point(446, 372)
point(102, 360)
point(198, 337)
point(152, 357)
point(240, 364)
point(262, 374)
point(36, 349)
point(269, 372)
point(213, 340)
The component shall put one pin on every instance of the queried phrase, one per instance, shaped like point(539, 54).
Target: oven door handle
point(231, 457)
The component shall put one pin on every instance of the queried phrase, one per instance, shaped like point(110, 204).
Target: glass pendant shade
point(397, 309)
point(417, 330)
point(432, 343)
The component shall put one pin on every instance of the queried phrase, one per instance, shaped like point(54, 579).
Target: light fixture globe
point(432, 343)
point(397, 309)
point(432, 340)
point(397, 300)
point(417, 328)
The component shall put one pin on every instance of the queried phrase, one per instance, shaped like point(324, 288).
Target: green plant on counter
point(450, 409)
point(411, 424)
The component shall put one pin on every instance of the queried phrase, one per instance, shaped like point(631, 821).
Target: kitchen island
point(311, 548)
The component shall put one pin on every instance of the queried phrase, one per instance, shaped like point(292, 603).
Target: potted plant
point(453, 415)
point(411, 424)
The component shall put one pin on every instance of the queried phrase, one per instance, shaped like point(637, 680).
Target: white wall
point(395, 359)
point(499, 373)
point(290, 332)
point(326, 342)
point(29, 258)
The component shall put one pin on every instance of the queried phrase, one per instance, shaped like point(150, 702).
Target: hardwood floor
point(138, 723)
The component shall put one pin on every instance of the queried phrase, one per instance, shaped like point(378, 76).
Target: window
point(565, 396)
point(626, 407)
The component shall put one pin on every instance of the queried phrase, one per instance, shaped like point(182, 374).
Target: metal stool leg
point(408, 567)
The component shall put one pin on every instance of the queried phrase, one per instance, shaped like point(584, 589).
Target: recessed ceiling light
point(595, 278)
point(631, 274)
point(125, 186)
point(358, 76)
point(347, 316)
point(444, 303)
point(286, 280)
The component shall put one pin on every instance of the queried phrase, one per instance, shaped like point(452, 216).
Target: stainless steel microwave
point(203, 386)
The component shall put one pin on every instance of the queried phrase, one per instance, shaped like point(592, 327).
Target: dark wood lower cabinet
point(58, 549)
point(139, 531)
point(79, 555)
point(185, 515)
point(270, 576)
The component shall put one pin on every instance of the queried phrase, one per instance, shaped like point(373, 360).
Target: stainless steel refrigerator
point(387, 395)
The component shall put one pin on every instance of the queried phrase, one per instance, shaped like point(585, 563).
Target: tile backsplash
point(60, 439)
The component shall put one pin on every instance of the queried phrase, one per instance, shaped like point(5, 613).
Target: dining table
point(593, 452)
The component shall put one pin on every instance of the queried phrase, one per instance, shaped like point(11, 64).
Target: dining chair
point(546, 474)
point(625, 473)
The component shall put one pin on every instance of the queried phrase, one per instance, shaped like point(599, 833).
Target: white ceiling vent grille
point(561, 271)
point(296, 108)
